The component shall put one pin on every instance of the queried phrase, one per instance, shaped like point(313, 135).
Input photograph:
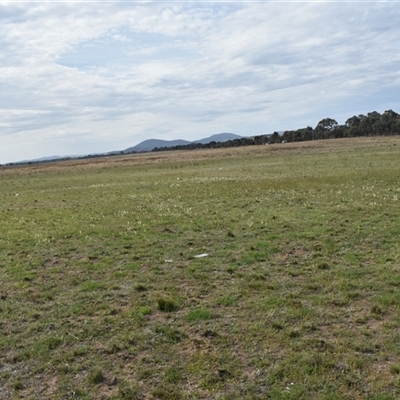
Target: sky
point(84, 77)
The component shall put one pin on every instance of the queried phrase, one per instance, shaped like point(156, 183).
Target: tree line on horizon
point(372, 124)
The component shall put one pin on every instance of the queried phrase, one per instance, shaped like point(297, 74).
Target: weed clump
point(140, 288)
point(395, 369)
point(376, 310)
point(173, 375)
point(96, 376)
point(18, 385)
point(323, 266)
point(129, 392)
point(166, 305)
point(168, 334)
point(53, 342)
point(167, 392)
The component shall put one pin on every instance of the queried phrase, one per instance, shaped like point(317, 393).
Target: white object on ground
point(201, 255)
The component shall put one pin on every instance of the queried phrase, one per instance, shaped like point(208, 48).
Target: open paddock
point(295, 295)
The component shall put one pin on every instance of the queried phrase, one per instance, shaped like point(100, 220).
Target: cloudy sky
point(83, 77)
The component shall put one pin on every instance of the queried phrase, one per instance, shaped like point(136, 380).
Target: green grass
point(101, 295)
point(198, 314)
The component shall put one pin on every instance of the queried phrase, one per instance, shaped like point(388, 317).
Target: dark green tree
point(325, 128)
point(275, 138)
point(352, 126)
point(305, 134)
point(387, 123)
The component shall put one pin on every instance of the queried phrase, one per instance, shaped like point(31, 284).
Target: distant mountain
point(150, 144)
point(146, 145)
point(50, 158)
point(219, 137)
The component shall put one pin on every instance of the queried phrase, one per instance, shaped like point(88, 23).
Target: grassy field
point(102, 295)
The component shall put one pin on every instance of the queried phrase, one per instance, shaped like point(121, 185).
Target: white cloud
point(85, 77)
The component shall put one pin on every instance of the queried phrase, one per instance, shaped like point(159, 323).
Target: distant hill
point(219, 137)
point(50, 158)
point(146, 145)
point(150, 144)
